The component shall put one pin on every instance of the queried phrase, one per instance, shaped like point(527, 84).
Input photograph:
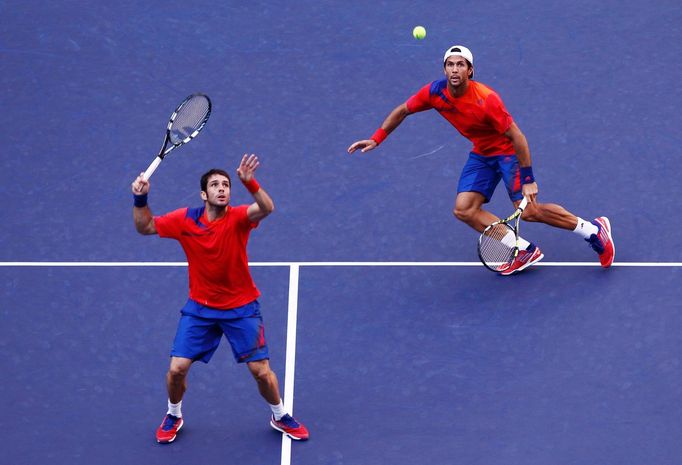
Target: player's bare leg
point(597, 232)
point(551, 214)
point(176, 383)
point(468, 210)
point(266, 379)
point(269, 389)
point(176, 378)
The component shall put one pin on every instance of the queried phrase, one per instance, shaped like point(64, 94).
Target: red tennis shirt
point(216, 254)
point(479, 114)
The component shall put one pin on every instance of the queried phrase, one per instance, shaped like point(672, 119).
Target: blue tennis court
point(391, 342)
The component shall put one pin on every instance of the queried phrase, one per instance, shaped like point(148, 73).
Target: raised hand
point(247, 167)
point(140, 186)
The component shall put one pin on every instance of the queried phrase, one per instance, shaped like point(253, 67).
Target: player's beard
point(456, 80)
point(217, 202)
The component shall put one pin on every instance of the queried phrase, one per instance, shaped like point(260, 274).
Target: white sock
point(523, 244)
point(278, 410)
point(585, 229)
point(510, 241)
point(175, 409)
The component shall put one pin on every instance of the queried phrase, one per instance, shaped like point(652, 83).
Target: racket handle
point(155, 164)
point(523, 204)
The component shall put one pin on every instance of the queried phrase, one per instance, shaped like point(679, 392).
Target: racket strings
point(497, 245)
point(189, 118)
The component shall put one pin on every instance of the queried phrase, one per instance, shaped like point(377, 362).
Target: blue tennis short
point(482, 174)
point(201, 328)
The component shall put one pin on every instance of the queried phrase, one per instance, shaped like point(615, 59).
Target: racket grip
point(155, 164)
point(523, 204)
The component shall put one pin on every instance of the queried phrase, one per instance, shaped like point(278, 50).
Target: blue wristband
point(527, 175)
point(140, 200)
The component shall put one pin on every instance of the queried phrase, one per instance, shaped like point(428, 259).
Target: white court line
point(299, 264)
point(290, 365)
point(427, 153)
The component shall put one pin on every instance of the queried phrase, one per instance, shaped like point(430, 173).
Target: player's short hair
point(211, 172)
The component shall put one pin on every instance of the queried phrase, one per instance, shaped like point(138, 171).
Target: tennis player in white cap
point(500, 152)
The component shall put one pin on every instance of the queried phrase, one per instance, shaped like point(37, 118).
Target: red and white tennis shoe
point(168, 429)
point(523, 260)
point(289, 426)
point(602, 242)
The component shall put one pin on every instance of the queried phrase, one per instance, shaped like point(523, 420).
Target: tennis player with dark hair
point(222, 294)
point(500, 152)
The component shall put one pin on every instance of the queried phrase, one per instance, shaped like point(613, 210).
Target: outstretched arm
point(142, 215)
point(263, 204)
point(391, 122)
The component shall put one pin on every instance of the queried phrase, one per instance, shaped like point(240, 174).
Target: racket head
point(496, 248)
point(188, 119)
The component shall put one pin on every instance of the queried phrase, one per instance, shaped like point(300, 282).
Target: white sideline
point(290, 365)
point(299, 264)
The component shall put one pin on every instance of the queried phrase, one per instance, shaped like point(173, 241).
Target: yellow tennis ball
point(419, 32)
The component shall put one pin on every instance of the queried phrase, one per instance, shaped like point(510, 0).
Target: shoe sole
point(613, 245)
point(532, 262)
point(282, 431)
point(173, 438)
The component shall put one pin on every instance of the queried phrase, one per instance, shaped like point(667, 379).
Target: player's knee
point(463, 213)
point(261, 372)
point(262, 376)
point(177, 373)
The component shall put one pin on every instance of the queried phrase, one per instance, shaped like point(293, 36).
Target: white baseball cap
point(460, 51)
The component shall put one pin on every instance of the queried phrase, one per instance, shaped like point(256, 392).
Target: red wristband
point(252, 185)
point(379, 136)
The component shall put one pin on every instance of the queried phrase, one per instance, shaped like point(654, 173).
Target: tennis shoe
point(289, 426)
point(523, 260)
point(168, 429)
point(602, 242)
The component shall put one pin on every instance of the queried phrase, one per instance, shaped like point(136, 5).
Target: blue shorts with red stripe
point(482, 174)
point(201, 328)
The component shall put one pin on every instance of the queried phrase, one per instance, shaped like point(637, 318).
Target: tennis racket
point(498, 244)
point(188, 119)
